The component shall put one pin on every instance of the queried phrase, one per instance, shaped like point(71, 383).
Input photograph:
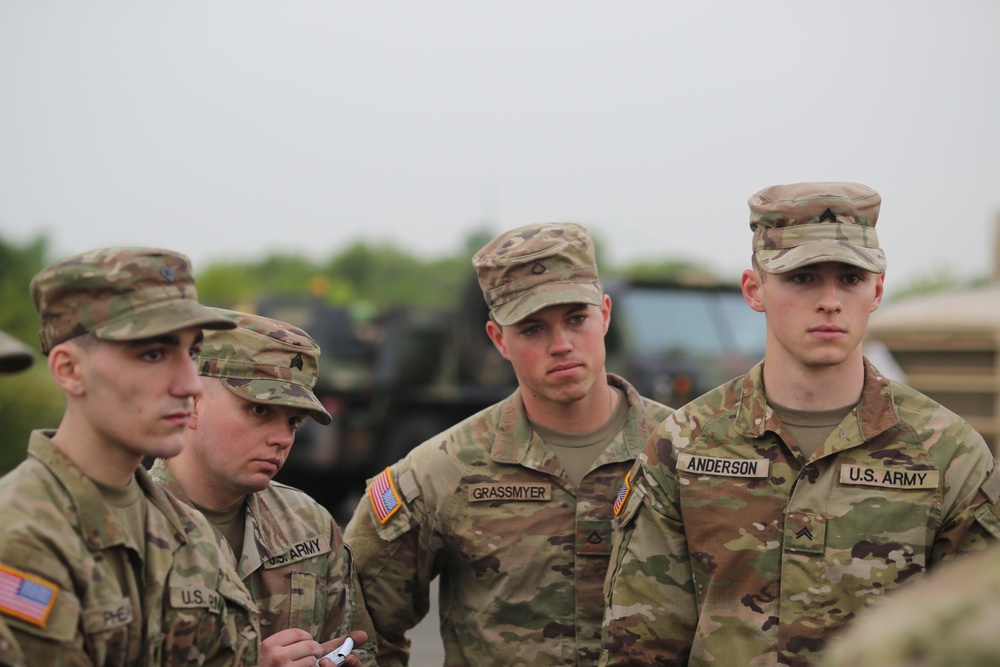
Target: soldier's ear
point(193, 421)
point(66, 367)
point(752, 285)
point(495, 332)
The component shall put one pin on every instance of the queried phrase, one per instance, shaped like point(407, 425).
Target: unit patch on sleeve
point(479, 493)
point(25, 596)
point(623, 494)
point(893, 478)
point(384, 496)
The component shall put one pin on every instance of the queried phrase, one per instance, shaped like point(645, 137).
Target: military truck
point(395, 381)
point(948, 344)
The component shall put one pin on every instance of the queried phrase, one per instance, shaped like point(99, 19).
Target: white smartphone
point(339, 654)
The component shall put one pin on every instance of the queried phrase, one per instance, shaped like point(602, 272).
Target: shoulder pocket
point(389, 496)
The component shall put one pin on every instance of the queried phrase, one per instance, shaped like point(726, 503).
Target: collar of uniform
point(162, 475)
point(512, 442)
point(99, 528)
point(876, 412)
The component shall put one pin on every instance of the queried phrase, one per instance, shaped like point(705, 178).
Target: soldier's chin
point(166, 448)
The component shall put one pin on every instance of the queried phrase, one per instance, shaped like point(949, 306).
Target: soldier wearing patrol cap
point(512, 507)
point(100, 566)
point(258, 381)
point(766, 514)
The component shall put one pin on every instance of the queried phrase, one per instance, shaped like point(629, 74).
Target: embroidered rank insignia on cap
point(25, 596)
point(385, 499)
point(623, 494)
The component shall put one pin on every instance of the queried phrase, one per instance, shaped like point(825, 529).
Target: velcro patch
point(191, 597)
point(892, 478)
point(714, 465)
point(384, 496)
point(26, 596)
point(306, 549)
point(991, 486)
point(623, 494)
point(108, 616)
point(479, 493)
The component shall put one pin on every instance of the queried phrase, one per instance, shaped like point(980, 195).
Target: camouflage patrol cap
point(119, 294)
point(14, 355)
point(265, 361)
point(806, 223)
point(532, 267)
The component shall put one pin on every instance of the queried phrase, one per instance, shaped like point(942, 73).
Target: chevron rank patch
point(25, 596)
point(623, 494)
point(384, 496)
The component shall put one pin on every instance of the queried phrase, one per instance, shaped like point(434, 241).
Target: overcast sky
point(228, 130)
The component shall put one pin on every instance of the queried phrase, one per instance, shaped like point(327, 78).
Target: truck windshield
point(692, 322)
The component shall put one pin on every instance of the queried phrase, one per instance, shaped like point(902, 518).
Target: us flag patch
point(623, 494)
point(384, 497)
point(25, 596)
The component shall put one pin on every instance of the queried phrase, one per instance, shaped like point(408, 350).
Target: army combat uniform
point(521, 552)
point(737, 550)
point(949, 619)
point(62, 550)
point(295, 564)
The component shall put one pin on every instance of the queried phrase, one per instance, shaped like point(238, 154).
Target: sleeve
point(50, 634)
point(391, 539)
point(971, 500)
point(650, 607)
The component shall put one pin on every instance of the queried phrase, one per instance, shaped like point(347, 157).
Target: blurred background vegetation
point(367, 278)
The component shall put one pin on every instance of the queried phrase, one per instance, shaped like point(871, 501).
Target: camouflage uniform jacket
point(521, 552)
point(295, 564)
point(10, 654)
point(949, 619)
point(188, 608)
point(734, 548)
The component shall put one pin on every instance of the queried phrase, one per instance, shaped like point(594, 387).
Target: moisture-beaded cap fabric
point(119, 294)
point(805, 223)
point(532, 267)
point(264, 360)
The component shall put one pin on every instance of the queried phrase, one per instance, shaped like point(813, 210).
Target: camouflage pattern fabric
point(295, 564)
point(947, 620)
point(119, 294)
point(806, 223)
point(532, 267)
point(264, 361)
point(521, 553)
point(10, 654)
point(188, 608)
point(732, 549)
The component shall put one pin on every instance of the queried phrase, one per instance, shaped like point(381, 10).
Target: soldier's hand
point(290, 648)
point(358, 636)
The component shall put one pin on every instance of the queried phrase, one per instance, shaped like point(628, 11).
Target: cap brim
point(14, 355)
point(782, 260)
point(162, 318)
point(277, 392)
point(543, 296)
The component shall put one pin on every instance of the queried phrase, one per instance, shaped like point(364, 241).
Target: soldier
point(512, 507)
point(258, 381)
point(14, 357)
point(765, 514)
point(948, 619)
point(100, 566)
